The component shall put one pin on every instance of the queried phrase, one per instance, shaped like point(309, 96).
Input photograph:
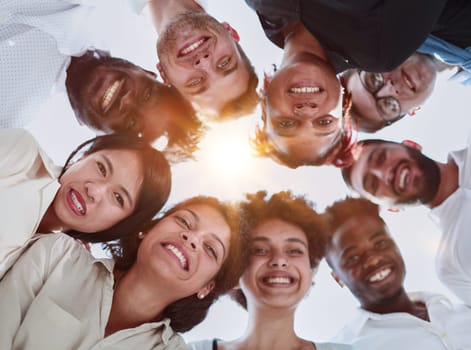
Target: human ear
point(203, 292)
point(234, 34)
point(412, 144)
point(337, 279)
point(414, 111)
point(162, 73)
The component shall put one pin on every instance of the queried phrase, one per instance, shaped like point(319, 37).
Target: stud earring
point(169, 85)
point(200, 296)
point(140, 235)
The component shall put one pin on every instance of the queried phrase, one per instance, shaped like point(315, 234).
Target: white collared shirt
point(57, 296)
point(449, 328)
point(453, 216)
point(28, 185)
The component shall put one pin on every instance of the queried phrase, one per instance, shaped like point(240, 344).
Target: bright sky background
point(226, 169)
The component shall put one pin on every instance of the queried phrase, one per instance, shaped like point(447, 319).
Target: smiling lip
point(76, 203)
point(408, 81)
point(278, 280)
point(179, 254)
point(192, 46)
point(380, 274)
point(402, 175)
point(110, 95)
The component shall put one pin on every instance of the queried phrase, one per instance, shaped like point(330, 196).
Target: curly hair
point(296, 210)
point(187, 312)
point(153, 193)
point(343, 210)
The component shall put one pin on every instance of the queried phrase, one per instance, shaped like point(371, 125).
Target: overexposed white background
point(226, 169)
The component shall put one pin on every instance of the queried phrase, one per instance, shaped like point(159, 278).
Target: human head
point(110, 95)
point(290, 209)
point(380, 99)
point(303, 122)
point(392, 174)
point(201, 58)
point(189, 311)
point(362, 254)
point(154, 190)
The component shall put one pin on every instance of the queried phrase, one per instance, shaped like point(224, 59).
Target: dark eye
point(258, 251)
point(295, 251)
point(287, 123)
point(101, 168)
point(381, 244)
point(373, 81)
point(119, 199)
point(390, 106)
point(210, 249)
point(183, 222)
point(352, 260)
point(224, 62)
point(324, 121)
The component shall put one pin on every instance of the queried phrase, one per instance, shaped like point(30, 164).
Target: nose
point(305, 109)
point(202, 60)
point(95, 190)
point(127, 102)
point(278, 260)
point(190, 240)
point(390, 88)
point(371, 260)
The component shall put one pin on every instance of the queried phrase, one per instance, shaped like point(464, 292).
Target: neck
point(299, 41)
point(135, 301)
point(163, 11)
point(269, 329)
point(448, 182)
point(50, 222)
point(400, 303)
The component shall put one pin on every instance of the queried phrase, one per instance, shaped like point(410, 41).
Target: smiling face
point(391, 173)
point(111, 94)
point(410, 85)
point(279, 272)
point(303, 110)
point(199, 57)
point(186, 249)
point(365, 258)
point(98, 191)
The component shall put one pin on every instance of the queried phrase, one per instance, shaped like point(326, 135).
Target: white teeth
point(178, 254)
point(381, 275)
point(305, 90)
point(192, 47)
point(403, 178)
point(408, 83)
point(76, 202)
point(109, 93)
point(278, 280)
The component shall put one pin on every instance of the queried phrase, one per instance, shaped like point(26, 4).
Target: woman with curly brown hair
point(57, 296)
point(286, 245)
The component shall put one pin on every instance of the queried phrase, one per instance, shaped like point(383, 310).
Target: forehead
point(278, 230)
point(357, 230)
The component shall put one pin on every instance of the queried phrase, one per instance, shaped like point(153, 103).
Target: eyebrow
point(290, 240)
point(111, 170)
point(197, 219)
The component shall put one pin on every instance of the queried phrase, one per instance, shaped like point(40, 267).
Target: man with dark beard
point(110, 94)
point(202, 59)
point(397, 174)
point(364, 257)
